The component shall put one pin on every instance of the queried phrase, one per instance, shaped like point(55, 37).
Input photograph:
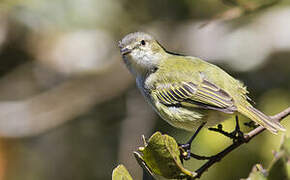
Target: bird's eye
point(143, 42)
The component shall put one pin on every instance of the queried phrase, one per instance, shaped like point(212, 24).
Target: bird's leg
point(239, 135)
point(185, 148)
point(236, 135)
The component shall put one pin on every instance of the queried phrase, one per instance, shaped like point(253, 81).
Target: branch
point(54, 107)
point(247, 137)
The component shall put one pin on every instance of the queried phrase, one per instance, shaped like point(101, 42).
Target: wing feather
point(206, 95)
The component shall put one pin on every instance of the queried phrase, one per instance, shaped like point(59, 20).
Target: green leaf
point(280, 166)
point(278, 170)
point(121, 173)
point(257, 173)
point(160, 156)
point(142, 163)
point(286, 146)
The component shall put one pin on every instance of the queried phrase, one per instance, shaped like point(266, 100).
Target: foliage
point(121, 173)
point(161, 157)
point(278, 169)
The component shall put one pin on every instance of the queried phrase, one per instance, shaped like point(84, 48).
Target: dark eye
point(143, 42)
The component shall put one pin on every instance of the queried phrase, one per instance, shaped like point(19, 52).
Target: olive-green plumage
point(187, 91)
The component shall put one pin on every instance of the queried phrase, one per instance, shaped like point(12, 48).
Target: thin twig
point(236, 144)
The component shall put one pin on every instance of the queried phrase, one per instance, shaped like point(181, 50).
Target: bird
point(187, 91)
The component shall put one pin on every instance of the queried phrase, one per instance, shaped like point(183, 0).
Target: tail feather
point(261, 119)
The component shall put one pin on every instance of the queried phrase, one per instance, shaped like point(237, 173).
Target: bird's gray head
point(141, 52)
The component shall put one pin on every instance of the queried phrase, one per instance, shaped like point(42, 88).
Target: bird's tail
point(261, 119)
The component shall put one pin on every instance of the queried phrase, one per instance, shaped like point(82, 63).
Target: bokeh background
point(70, 110)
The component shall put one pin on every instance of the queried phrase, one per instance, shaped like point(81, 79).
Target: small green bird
point(186, 91)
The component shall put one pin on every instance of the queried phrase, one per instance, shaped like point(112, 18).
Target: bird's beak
point(125, 51)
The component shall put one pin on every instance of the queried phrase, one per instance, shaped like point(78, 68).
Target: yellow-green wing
point(205, 95)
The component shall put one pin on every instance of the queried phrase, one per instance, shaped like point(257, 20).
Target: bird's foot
point(251, 124)
point(185, 152)
point(236, 135)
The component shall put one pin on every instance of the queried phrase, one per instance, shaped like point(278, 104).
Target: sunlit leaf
point(121, 173)
point(160, 156)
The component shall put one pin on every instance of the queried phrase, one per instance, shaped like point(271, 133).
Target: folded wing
point(205, 95)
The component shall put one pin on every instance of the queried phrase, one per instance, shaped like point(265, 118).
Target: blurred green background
point(69, 109)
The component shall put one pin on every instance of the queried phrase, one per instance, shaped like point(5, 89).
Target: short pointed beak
point(125, 51)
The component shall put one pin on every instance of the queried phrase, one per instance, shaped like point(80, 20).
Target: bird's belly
point(183, 118)
point(190, 119)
